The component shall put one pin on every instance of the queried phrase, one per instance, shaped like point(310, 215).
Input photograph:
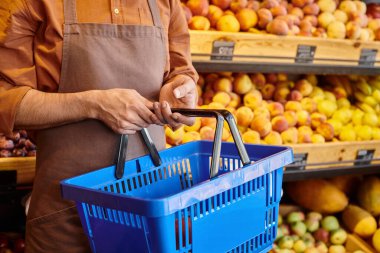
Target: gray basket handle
point(220, 115)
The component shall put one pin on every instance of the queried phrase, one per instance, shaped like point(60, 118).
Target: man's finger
point(181, 119)
point(184, 89)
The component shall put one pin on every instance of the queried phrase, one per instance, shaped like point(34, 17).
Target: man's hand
point(180, 92)
point(125, 111)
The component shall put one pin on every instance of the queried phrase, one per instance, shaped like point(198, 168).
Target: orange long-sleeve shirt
point(31, 39)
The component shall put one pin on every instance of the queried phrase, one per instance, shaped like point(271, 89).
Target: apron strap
point(70, 11)
point(155, 13)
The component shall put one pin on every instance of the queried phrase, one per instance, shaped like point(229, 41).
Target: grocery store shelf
point(25, 167)
point(248, 52)
point(296, 175)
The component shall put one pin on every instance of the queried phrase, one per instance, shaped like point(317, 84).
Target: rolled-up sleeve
point(17, 69)
point(179, 44)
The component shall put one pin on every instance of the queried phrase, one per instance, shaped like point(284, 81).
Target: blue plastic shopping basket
point(176, 207)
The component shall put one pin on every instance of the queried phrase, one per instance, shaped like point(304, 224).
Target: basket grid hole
point(183, 230)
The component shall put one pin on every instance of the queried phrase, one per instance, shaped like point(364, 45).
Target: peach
point(198, 7)
point(303, 118)
point(304, 134)
point(317, 94)
point(317, 138)
point(174, 137)
point(211, 78)
point(216, 105)
point(191, 136)
point(311, 9)
point(265, 16)
point(251, 137)
point(290, 20)
point(187, 12)
point(261, 111)
point(223, 84)
point(348, 7)
point(229, 12)
point(199, 23)
point(271, 78)
point(275, 109)
point(320, 32)
point(210, 122)
point(340, 92)
point(194, 127)
point(262, 125)
point(327, 5)
point(361, 7)
point(281, 94)
point(279, 123)
point(365, 35)
point(207, 133)
point(336, 30)
point(309, 105)
point(228, 23)
point(295, 95)
point(247, 18)
point(226, 133)
point(325, 18)
point(306, 27)
point(300, 3)
point(237, 5)
point(326, 130)
point(214, 14)
point(223, 4)
point(235, 100)
point(242, 84)
point(254, 5)
point(207, 96)
point(312, 19)
point(290, 136)
point(304, 86)
point(374, 24)
point(317, 119)
point(253, 99)
point(268, 91)
point(278, 27)
point(222, 97)
point(291, 117)
point(297, 12)
point(278, 10)
point(268, 4)
point(273, 138)
point(340, 16)
point(244, 116)
point(282, 77)
point(337, 125)
point(312, 79)
point(258, 79)
point(361, 19)
point(293, 106)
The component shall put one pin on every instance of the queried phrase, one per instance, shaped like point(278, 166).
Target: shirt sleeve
point(179, 44)
point(17, 70)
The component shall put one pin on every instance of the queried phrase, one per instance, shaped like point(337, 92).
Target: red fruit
point(19, 246)
point(321, 235)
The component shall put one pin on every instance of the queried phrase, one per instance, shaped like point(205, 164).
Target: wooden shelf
point(270, 53)
point(25, 167)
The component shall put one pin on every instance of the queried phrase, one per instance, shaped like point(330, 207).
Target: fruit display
point(309, 232)
point(17, 145)
point(356, 206)
point(279, 109)
point(335, 19)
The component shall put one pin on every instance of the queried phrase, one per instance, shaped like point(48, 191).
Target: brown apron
point(95, 56)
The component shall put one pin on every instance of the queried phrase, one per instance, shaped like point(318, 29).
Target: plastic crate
point(176, 207)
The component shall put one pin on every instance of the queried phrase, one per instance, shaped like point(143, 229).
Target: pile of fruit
point(356, 200)
point(11, 244)
point(310, 233)
point(273, 109)
point(17, 145)
point(319, 18)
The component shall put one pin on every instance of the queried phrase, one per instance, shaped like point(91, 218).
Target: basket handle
point(220, 115)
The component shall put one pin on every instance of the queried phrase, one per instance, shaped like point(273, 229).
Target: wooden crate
point(266, 48)
point(25, 167)
point(354, 243)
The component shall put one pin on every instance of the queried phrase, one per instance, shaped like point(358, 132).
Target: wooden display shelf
point(355, 243)
point(338, 154)
point(25, 167)
point(274, 52)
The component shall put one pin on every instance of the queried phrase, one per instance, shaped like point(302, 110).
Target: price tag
point(222, 50)
point(305, 54)
point(299, 162)
point(367, 57)
point(366, 155)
